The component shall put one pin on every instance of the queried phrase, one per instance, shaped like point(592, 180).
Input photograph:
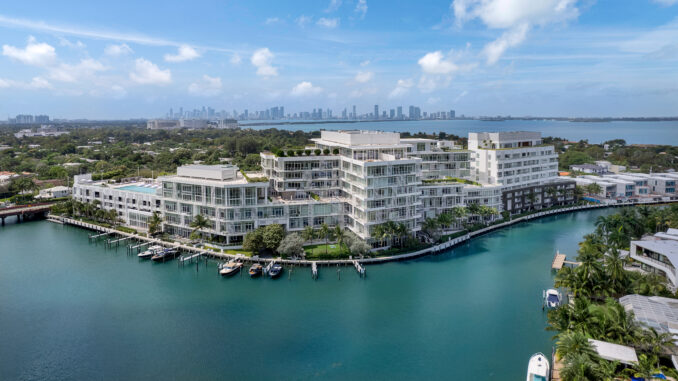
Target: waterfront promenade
point(192, 250)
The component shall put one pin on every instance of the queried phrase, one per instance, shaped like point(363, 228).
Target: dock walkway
point(349, 262)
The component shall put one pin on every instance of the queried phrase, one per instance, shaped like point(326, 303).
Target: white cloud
point(114, 92)
point(666, 3)
point(402, 87)
point(207, 87)
point(235, 59)
point(35, 53)
point(328, 23)
point(512, 37)
point(334, 5)
point(433, 100)
point(365, 63)
point(436, 63)
point(262, 59)
point(147, 73)
point(272, 20)
point(361, 8)
point(184, 53)
point(516, 17)
point(302, 20)
point(71, 73)
point(35, 83)
point(460, 96)
point(118, 50)
point(75, 45)
point(364, 76)
point(305, 88)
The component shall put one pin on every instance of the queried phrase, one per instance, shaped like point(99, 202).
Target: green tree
point(272, 236)
point(254, 241)
point(339, 236)
point(324, 232)
point(292, 246)
point(199, 224)
point(308, 233)
point(154, 223)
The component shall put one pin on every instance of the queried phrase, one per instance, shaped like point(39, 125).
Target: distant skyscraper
point(376, 111)
point(399, 113)
point(355, 116)
point(392, 114)
point(282, 112)
point(343, 114)
point(452, 114)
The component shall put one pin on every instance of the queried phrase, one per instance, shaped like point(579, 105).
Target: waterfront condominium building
point(525, 167)
point(354, 179)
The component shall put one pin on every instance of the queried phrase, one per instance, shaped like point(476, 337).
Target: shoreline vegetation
point(594, 311)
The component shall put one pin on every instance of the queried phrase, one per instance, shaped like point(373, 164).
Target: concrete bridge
point(26, 212)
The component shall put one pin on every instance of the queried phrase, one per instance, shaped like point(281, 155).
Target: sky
point(130, 59)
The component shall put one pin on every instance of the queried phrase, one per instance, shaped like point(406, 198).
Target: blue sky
point(128, 59)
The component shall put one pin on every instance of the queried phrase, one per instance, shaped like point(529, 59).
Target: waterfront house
point(658, 254)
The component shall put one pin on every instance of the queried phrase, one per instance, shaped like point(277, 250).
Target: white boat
point(230, 268)
point(538, 368)
point(552, 298)
point(153, 250)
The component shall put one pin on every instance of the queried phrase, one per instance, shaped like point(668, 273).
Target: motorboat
point(255, 270)
point(165, 254)
point(538, 368)
point(230, 268)
point(275, 271)
point(151, 251)
point(552, 298)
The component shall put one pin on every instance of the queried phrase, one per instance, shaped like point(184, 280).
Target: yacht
point(538, 368)
point(165, 254)
point(255, 270)
point(153, 250)
point(230, 268)
point(275, 270)
point(552, 298)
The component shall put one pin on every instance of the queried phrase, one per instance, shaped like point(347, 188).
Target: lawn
point(333, 251)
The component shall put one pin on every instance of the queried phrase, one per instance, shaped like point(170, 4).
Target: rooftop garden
point(450, 180)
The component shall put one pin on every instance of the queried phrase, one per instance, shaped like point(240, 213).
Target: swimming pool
point(137, 188)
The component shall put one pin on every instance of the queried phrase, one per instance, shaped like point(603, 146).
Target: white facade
point(512, 159)
point(55, 192)
point(354, 179)
point(659, 255)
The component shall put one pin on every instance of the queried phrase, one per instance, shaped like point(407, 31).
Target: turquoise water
point(74, 310)
point(140, 189)
point(594, 132)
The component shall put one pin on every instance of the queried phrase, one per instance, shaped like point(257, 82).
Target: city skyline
point(489, 57)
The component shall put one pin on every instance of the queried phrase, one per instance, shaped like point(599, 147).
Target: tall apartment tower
point(399, 113)
point(355, 115)
point(376, 111)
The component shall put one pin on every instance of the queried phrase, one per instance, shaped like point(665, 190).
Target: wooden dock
point(559, 260)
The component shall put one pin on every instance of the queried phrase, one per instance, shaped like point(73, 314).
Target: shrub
point(318, 152)
point(291, 153)
point(300, 152)
point(307, 152)
point(335, 151)
point(326, 151)
point(280, 153)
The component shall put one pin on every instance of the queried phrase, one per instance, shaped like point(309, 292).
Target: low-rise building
point(658, 254)
point(588, 168)
point(54, 192)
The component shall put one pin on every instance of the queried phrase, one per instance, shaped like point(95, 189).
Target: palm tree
point(339, 235)
point(154, 223)
point(614, 268)
point(308, 234)
point(445, 220)
point(199, 223)
point(390, 231)
point(551, 192)
point(430, 226)
point(574, 343)
point(459, 213)
point(401, 231)
point(645, 368)
point(657, 342)
point(531, 198)
point(607, 370)
point(594, 189)
point(324, 232)
point(579, 367)
point(473, 209)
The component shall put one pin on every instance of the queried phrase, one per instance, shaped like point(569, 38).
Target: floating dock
point(314, 270)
